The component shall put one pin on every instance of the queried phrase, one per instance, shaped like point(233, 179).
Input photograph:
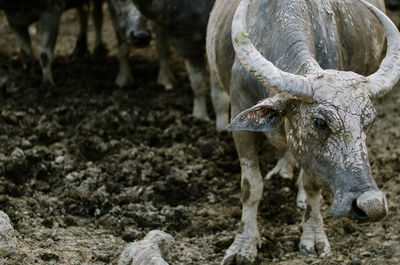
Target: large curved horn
point(258, 66)
point(388, 73)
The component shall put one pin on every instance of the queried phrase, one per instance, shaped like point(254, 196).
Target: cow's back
point(362, 37)
point(220, 52)
point(341, 34)
point(184, 22)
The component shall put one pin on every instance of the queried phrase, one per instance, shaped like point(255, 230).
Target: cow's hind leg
point(99, 47)
point(197, 75)
point(81, 47)
point(314, 241)
point(244, 248)
point(165, 77)
point(220, 100)
point(50, 22)
point(284, 167)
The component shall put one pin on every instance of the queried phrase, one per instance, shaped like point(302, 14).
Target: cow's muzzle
point(369, 206)
point(140, 39)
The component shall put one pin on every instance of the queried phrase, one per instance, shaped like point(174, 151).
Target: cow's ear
point(262, 117)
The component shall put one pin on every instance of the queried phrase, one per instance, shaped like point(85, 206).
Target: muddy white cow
point(184, 24)
point(21, 13)
point(304, 74)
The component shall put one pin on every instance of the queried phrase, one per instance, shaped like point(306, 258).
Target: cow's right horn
point(258, 66)
point(388, 73)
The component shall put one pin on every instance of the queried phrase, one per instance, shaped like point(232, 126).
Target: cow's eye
point(320, 124)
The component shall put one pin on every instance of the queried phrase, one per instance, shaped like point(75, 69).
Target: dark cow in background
point(130, 28)
point(392, 4)
point(393, 11)
point(304, 74)
point(184, 24)
point(21, 13)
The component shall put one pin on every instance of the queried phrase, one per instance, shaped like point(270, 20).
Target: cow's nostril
point(140, 39)
point(359, 214)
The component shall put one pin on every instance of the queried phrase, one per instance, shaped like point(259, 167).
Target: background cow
point(393, 11)
point(313, 74)
point(130, 28)
point(184, 24)
point(22, 13)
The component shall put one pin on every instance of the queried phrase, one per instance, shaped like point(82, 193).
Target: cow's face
point(138, 32)
point(131, 24)
point(327, 137)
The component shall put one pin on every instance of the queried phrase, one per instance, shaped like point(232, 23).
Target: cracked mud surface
point(86, 168)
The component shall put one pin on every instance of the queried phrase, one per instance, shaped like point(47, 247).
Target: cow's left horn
point(388, 73)
point(258, 66)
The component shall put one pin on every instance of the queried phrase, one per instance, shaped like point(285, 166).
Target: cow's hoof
point(316, 245)
point(283, 168)
point(243, 251)
point(47, 82)
point(165, 82)
point(100, 51)
point(201, 116)
point(301, 199)
point(124, 80)
point(80, 52)
point(165, 78)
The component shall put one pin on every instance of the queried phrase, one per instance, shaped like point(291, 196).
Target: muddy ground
point(87, 167)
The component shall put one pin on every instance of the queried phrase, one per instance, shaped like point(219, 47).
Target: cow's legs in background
point(301, 198)
point(124, 77)
point(24, 40)
point(50, 22)
point(99, 47)
point(81, 47)
point(284, 167)
point(197, 76)
point(220, 100)
point(244, 247)
point(165, 77)
point(314, 241)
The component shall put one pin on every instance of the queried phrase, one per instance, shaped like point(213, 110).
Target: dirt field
point(87, 167)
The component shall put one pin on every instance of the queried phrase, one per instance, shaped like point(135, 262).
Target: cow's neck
point(171, 13)
point(151, 8)
point(307, 39)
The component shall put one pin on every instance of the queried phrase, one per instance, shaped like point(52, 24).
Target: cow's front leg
point(314, 241)
point(301, 198)
point(124, 77)
point(197, 75)
point(23, 39)
point(50, 22)
point(244, 248)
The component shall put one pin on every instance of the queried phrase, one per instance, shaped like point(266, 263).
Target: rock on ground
point(149, 251)
point(7, 236)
